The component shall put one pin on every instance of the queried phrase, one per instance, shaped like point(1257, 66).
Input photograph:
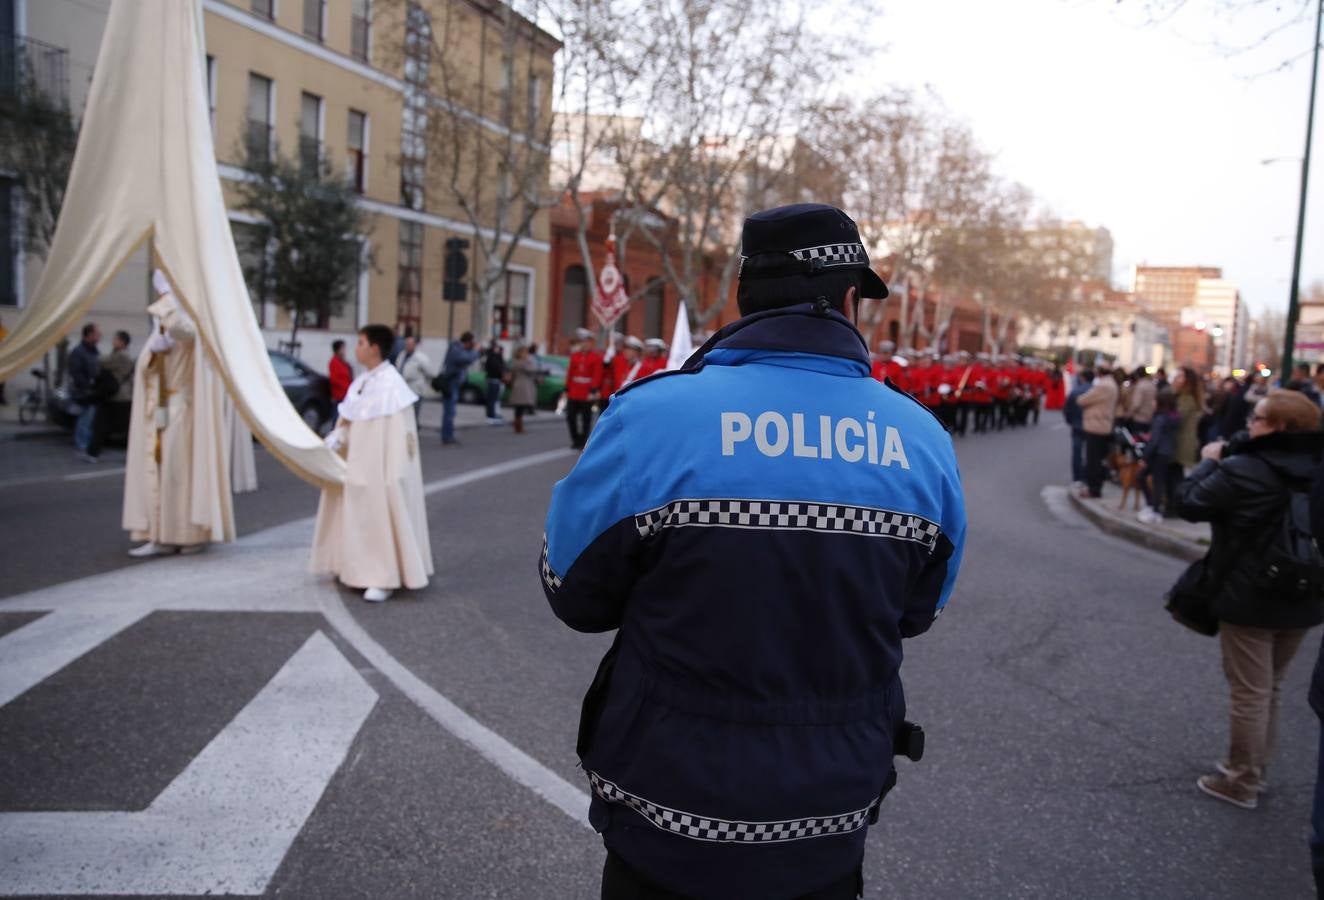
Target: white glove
point(159, 342)
point(335, 440)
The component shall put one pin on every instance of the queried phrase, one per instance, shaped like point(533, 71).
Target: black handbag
point(1190, 602)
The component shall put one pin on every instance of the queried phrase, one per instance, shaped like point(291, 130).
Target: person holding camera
point(1263, 574)
point(761, 528)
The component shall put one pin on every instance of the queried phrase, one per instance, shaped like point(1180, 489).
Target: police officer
point(761, 528)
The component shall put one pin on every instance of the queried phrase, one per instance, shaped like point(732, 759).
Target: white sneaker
point(377, 595)
point(151, 549)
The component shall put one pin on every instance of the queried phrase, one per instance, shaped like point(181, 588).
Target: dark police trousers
point(620, 882)
point(579, 418)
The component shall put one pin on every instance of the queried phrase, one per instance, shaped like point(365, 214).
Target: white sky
point(1149, 130)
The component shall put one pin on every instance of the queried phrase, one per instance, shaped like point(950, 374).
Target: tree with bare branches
point(477, 130)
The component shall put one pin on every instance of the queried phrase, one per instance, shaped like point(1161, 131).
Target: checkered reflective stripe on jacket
point(706, 828)
point(834, 254)
point(797, 515)
point(550, 578)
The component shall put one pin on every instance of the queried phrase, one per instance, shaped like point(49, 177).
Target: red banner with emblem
point(610, 300)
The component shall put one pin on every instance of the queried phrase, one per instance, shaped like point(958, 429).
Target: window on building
point(413, 134)
point(346, 318)
point(314, 19)
point(357, 143)
point(264, 8)
point(211, 90)
point(574, 300)
point(253, 260)
point(310, 131)
point(510, 317)
point(409, 291)
point(360, 34)
point(259, 136)
point(534, 103)
point(654, 304)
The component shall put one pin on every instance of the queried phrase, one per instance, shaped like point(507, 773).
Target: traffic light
point(454, 288)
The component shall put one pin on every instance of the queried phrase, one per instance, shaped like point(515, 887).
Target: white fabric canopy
point(145, 168)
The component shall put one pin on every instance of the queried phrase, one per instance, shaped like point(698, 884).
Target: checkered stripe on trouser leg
point(834, 254)
point(550, 578)
point(707, 828)
point(798, 515)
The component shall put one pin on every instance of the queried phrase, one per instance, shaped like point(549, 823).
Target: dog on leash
point(1129, 471)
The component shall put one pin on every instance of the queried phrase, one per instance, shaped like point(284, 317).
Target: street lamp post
point(1293, 310)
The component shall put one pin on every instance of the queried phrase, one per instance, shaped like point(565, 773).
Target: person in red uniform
point(627, 365)
point(583, 386)
point(885, 365)
point(655, 359)
point(1055, 392)
point(340, 375)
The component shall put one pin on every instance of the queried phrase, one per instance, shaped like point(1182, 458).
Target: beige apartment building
point(356, 83)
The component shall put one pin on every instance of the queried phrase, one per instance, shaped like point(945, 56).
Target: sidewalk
point(1175, 537)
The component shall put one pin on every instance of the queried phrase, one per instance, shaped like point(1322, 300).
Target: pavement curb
point(1138, 533)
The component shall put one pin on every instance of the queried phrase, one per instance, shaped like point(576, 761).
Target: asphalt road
point(1067, 716)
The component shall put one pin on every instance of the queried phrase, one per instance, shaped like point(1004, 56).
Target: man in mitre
point(177, 471)
point(372, 531)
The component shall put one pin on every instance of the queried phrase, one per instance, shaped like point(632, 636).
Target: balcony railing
point(33, 66)
point(259, 139)
point(358, 38)
point(310, 153)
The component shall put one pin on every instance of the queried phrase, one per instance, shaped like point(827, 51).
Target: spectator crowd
point(1248, 458)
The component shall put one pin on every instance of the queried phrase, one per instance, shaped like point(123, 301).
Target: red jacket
point(341, 376)
point(890, 369)
point(585, 375)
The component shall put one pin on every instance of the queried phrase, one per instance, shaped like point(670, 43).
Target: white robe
point(243, 462)
point(372, 532)
point(184, 498)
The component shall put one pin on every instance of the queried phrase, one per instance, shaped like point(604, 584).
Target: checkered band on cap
point(707, 828)
point(788, 514)
point(834, 255)
point(549, 578)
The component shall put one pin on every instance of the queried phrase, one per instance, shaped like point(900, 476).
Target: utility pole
point(1293, 307)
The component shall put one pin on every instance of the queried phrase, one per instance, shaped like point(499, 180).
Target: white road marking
point(100, 473)
point(521, 767)
point(224, 825)
point(39, 649)
point(514, 465)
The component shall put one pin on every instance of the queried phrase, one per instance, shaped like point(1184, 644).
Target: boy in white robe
point(372, 532)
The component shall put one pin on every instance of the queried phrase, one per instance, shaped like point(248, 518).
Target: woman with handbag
point(1261, 580)
point(523, 386)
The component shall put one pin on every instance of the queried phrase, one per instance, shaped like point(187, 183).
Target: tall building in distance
point(1167, 290)
point(1199, 298)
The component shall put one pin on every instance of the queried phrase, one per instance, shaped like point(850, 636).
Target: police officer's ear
point(848, 304)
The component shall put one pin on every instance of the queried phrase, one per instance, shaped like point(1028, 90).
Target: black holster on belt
point(909, 742)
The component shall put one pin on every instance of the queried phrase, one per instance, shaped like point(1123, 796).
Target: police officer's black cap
point(805, 239)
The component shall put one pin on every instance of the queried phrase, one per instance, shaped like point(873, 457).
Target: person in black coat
point(1243, 489)
point(1317, 704)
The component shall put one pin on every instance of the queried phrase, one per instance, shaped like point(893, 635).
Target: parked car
point(550, 386)
point(309, 391)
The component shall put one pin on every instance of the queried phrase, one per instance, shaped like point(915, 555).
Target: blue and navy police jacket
point(763, 527)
